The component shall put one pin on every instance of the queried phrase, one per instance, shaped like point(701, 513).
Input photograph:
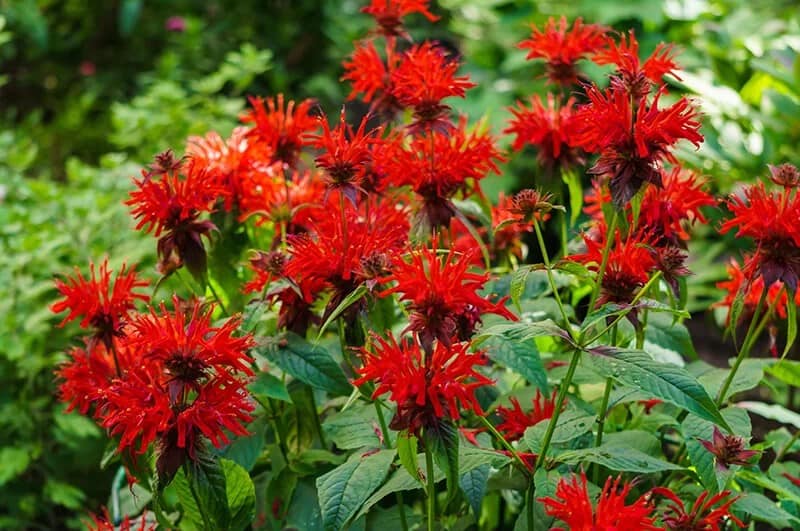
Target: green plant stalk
point(217, 298)
point(431, 488)
point(753, 332)
point(562, 396)
point(785, 450)
point(601, 423)
point(505, 444)
point(387, 443)
point(317, 423)
point(529, 505)
point(551, 280)
point(610, 239)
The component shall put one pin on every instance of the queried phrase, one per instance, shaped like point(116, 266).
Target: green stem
point(505, 444)
point(610, 239)
point(551, 280)
point(562, 396)
point(753, 332)
point(217, 298)
point(388, 444)
point(317, 424)
point(601, 423)
point(529, 505)
point(431, 488)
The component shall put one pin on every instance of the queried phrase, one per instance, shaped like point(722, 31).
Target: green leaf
point(571, 425)
point(786, 371)
point(762, 508)
point(474, 485)
point(443, 442)
point(667, 340)
point(343, 490)
point(204, 483)
point(246, 450)
point(129, 11)
point(353, 428)
point(407, 452)
point(311, 364)
point(772, 411)
point(13, 462)
point(620, 458)
point(661, 380)
point(519, 279)
point(791, 326)
point(400, 480)
point(62, 493)
point(353, 297)
point(521, 356)
point(240, 493)
point(304, 513)
point(268, 386)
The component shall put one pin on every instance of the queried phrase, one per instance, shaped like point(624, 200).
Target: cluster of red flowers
point(162, 376)
point(573, 506)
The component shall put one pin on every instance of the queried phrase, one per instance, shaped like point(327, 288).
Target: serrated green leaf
point(269, 386)
point(246, 450)
point(343, 490)
point(241, 495)
point(443, 442)
point(474, 486)
point(665, 381)
point(618, 458)
point(206, 477)
point(353, 428)
point(772, 411)
point(407, 452)
point(571, 424)
point(762, 508)
point(521, 356)
point(311, 364)
point(786, 371)
point(519, 279)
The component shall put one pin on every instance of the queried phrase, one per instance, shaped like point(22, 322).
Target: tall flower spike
point(562, 48)
point(549, 129)
point(389, 14)
point(442, 296)
point(100, 306)
point(424, 77)
point(571, 505)
point(426, 387)
point(702, 515)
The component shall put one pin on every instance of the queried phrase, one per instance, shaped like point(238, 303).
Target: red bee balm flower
point(547, 128)
point(281, 128)
point(97, 303)
point(562, 48)
point(634, 76)
point(632, 141)
point(702, 516)
point(728, 449)
point(752, 294)
point(425, 387)
point(769, 218)
point(424, 77)
point(172, 205)
point(516, 421)
point(103, 523)
point(372, 77)
point(188, 346)
point(389, 14)
point(572, 506)
point(442, 296)
point(627, 269)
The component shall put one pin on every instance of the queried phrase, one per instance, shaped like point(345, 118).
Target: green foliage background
point(91, 89)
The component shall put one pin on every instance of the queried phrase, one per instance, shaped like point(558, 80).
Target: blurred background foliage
point(91, 89)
